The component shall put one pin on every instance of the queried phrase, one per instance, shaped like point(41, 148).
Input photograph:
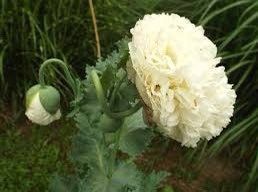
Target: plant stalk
point(103, 101)
point(59, 62)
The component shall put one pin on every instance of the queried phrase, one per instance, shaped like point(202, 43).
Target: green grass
point(31, 32)
point(237, 42)
point(29, 160)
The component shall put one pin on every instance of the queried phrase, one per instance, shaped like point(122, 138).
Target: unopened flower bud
point(43, 104)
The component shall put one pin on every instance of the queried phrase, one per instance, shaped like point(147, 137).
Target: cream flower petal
point(173, 65)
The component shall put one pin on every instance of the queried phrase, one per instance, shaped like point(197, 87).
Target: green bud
point(109, 124)
point(48, 95)
point(49, 98)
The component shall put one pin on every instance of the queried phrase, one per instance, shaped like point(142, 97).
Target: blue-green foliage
point(104, 149)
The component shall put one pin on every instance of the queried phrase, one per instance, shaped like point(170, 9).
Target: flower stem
point(115, 150)
point(114, 93)
point(63, 65)
point(103, 101)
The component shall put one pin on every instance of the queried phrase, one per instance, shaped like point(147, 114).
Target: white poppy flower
point(42, 104)
point(173, 65)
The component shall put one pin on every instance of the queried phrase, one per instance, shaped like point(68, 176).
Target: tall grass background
point(32, 31)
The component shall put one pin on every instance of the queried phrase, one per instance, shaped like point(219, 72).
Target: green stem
point(114, 93)
point(103, 101)
point(128, 112)
point(115, 150)
point(70, 79)
point(99, 89)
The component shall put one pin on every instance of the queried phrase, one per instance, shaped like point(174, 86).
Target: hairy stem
point(59, 62)
point(115, 150)
point(114, 93)
point(103, 101)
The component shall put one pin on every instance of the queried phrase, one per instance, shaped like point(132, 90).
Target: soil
point(186, 175)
